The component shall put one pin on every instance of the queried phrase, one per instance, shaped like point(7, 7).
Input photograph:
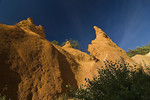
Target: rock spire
point(103, 48)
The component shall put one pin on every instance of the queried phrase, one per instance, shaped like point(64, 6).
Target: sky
point(126, 22)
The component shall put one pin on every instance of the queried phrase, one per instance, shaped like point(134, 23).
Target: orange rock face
point(84, 61)
point(32, 68)
point(143, 60)
point(27, 25)
point(103, 48)
point(67, 45)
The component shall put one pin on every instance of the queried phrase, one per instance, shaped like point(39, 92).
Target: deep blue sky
point(126, 22)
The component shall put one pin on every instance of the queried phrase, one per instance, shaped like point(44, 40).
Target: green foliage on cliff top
point(55, 42)
point(139, 50)
point(74, 43)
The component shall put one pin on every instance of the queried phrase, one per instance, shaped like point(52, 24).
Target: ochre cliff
point(32, 68)
point(103, 48)
point(143, 60)
point(27, 25)
point(85, 63)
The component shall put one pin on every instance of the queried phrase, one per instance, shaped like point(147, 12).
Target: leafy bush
point(55, 42)
point(143, 50)
point(116, 82)
point(2, 97)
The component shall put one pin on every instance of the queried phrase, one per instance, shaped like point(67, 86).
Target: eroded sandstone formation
point(32, 68)
point(103, 48)
point(85, 63)
point(28, 25)
point(143, 60)
point(67, 45)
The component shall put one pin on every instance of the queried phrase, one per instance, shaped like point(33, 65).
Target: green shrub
point(55, 42)
point(143, 50)
point(2, 97)
point(116, 82)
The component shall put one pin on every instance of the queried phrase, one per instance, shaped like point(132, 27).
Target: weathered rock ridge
point(28, 25)
point(32, 68)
